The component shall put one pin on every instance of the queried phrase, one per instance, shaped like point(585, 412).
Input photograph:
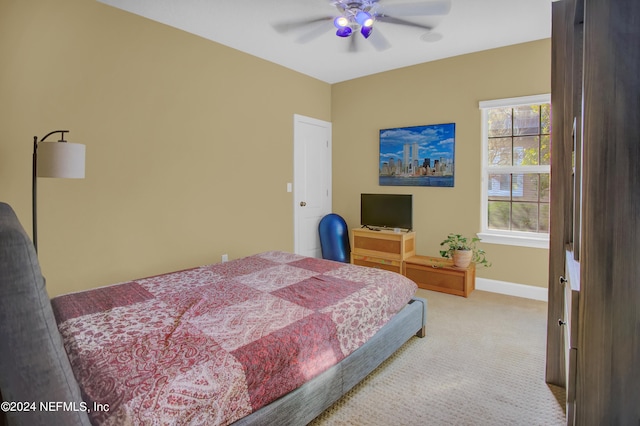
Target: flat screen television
point(386, 211)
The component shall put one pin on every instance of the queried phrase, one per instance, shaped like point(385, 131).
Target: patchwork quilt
point(212, 344)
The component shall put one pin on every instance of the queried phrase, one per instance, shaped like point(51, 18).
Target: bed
point(273, 338)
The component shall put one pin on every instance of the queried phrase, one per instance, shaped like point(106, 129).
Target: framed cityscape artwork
point(418, 155)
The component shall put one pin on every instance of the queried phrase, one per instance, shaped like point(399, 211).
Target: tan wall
point(189, 143)
point(445, 91)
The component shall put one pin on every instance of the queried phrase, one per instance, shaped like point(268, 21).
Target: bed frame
point(34, 366)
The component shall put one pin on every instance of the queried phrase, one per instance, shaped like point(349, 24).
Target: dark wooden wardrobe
point(593, 330)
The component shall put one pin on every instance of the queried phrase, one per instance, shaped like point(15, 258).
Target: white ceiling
point(247, 25)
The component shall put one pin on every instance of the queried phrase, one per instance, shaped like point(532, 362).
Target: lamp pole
point(34, 184)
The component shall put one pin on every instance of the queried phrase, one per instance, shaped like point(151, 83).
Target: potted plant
point(463, 251)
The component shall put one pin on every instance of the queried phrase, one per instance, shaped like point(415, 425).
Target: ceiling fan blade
point(315, 32)
point(435, 7)
point(378, 40)
point(392, 20)
point(287, 26)
point(353, 46)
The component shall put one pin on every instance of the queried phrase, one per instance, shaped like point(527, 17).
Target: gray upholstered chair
point(33, 363)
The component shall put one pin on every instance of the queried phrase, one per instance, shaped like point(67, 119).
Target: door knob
point(302, 204)
point(562, 279)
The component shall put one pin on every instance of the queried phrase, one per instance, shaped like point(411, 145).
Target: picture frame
point(417, 156)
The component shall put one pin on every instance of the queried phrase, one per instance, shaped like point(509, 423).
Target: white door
point(312, 182)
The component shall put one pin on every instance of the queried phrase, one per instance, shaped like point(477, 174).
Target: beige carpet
point(482, 363)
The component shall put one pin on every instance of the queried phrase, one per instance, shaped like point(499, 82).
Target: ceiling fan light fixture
point(364, 19)
point(344, 32)
point(366, 31)
point(340, 22)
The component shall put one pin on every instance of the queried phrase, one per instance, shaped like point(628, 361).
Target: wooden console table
point(382, 249)
point(439, 274)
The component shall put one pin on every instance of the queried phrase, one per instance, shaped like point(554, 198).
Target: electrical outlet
point(225, 258)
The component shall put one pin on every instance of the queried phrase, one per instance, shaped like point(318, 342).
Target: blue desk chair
point(334, 238)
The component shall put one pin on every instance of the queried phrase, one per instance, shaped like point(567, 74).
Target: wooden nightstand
point(439, 274)
point(381, 249)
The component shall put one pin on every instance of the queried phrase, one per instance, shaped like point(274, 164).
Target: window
point(516, 167)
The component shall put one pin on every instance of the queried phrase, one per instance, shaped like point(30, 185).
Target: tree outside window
point(517, 169)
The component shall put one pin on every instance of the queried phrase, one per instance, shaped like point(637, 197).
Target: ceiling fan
point(360, 16)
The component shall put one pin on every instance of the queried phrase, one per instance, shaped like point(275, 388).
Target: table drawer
point(375, 262)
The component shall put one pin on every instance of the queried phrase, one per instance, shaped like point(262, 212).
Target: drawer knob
point(562, 279)
point(560, 322)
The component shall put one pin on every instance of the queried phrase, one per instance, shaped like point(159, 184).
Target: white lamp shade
point(61, 160)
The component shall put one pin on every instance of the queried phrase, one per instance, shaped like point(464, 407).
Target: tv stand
point(383, 249)
point(384, 229)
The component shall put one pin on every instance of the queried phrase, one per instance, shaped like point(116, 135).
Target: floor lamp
point(60, 159)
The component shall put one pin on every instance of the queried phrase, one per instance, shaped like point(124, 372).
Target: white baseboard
point(512, 289)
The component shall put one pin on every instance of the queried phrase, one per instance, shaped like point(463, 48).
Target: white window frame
point(498, 236)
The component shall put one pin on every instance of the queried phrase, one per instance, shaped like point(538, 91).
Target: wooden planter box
point(439, 274)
